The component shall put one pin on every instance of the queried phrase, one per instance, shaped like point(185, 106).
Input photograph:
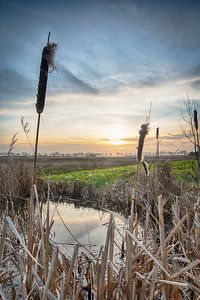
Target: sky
point(114, 58)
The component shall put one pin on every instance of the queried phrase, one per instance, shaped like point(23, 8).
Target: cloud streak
point(13, 86)
point(113, 59)
point(68, 82)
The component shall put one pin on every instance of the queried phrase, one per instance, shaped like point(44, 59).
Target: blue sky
point(113, 59)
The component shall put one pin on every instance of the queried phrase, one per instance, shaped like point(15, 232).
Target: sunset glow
point(117, 142)
point(114, 58)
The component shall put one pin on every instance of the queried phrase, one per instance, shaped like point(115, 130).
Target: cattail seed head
point(157, 133)
point(196, 119)
point(47, 61)
point(143, 132)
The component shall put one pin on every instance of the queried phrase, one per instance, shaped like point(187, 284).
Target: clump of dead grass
point(15, 179)
point(141, 265)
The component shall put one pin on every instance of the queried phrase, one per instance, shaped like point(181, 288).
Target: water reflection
point(88, 225)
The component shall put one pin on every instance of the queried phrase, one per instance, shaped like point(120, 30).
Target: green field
point(183, 170)
point(97, 177)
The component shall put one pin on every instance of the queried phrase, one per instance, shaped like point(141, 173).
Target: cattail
point(157, 133)
point(157, 141)
point(47, 62)
point(196, 120)
point(143, 132)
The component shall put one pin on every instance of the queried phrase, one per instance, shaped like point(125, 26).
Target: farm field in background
point(182, 170)
point(102, 170)
point(97, 177)
point(60, 164)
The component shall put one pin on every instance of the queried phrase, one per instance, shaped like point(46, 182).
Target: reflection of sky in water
point(86, 224)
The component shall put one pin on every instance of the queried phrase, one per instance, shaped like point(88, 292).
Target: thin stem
point(36, 146)
point(48, 39)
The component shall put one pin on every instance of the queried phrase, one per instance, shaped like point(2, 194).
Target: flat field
point(182, 170)
point(97, 177)
point(50, 163)
point(101, 170)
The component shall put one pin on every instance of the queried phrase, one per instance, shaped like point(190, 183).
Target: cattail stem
point(48, 39)
point(197, 145)
point(47, 61)
point(36, 146)
point(158, 142)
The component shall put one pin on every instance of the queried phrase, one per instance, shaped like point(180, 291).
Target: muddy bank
point(116, 197)
point(16, 182)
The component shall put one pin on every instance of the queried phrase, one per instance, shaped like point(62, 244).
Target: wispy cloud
point(65, 80)
point(13, 86)
point(196, 84)
point(173, 137)
point(113, 59)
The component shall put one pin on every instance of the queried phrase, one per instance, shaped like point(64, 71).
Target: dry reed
point(162, 264)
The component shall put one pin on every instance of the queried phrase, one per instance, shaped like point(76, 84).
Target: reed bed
point(15, 179)
point(155, 262)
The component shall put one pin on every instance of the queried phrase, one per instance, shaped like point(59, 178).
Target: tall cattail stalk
point(143, 132)
point(157, 142)
point(196, 120)
point(191, 130)
point(47, 63)
point(197, 144)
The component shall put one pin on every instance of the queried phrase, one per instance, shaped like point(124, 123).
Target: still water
point(87, 225)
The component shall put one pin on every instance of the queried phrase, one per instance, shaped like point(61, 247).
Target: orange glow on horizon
point(117, 142)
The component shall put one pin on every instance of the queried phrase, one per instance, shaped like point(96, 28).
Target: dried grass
point(156, 264)
point(15, 179)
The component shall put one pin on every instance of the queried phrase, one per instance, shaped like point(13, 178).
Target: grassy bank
point(97, 177)
point(183, 170)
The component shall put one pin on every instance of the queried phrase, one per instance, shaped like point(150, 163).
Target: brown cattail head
point(196, 119)
point(143, 132)
point(157, 133)
point(47, 61)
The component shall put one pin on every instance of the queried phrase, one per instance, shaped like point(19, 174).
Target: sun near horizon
point(113, 59)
